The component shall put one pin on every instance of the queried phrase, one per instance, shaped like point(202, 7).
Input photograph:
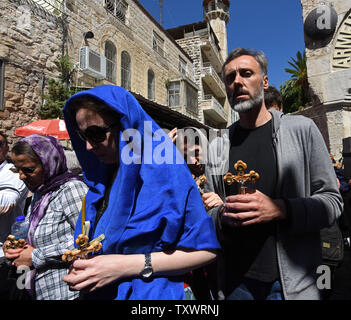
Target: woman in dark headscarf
point(57, 198)
point(150, 211)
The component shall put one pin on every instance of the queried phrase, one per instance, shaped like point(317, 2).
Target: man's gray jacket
point(307, 182)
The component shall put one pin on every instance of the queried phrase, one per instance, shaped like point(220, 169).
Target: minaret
point(216, 12)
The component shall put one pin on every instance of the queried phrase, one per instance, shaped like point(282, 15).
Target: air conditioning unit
point(92, 63)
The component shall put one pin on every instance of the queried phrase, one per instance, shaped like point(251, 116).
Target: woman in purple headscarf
point(56, 202)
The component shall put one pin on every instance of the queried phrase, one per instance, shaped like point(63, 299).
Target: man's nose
point(238, 80)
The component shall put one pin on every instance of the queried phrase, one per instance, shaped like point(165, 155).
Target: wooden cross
point(15, 244)
point(84, 246)
point(241, 177)
point(200, 182)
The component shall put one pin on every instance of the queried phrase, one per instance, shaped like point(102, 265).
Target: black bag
point(8, 283)
point(332, 242)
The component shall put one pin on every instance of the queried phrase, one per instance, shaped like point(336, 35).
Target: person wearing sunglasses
point(156, 228)
point(57, 199)
point(13, 193)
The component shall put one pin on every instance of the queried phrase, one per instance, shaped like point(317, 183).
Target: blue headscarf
point(152, 207)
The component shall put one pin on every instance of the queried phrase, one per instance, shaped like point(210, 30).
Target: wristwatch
point(147, 271)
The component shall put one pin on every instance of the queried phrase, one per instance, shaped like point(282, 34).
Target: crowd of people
point(173, 229)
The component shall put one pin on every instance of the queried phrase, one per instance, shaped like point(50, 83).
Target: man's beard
point(245, 106)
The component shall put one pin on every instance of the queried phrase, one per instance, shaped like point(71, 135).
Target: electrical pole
point(161, 13)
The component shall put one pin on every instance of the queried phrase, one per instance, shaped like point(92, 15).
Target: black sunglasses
point(25, 170)
point(2, 143)
point(96, 134)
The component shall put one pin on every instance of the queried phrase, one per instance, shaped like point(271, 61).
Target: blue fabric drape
point(152, 207)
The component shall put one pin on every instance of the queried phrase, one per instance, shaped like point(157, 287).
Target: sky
point(272, 26)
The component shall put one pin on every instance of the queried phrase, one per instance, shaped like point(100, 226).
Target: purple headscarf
point(56, 173)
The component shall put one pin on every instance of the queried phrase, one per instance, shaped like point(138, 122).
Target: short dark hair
point(259, 56)
point(272, 96)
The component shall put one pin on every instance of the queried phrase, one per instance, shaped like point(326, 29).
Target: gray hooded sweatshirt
point(307, 182)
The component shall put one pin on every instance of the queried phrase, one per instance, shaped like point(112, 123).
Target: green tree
point(58, 91)
point(295, 90)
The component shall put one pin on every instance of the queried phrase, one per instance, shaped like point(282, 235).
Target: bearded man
point(270, 236)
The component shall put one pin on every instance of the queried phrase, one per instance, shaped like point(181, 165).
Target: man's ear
point(265, 82)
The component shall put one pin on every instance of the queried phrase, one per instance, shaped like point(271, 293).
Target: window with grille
point(182, 66)
point(150, 85)
point(118, 8)
point(110, 54)
point(2, 84)
point(174, 94)
point(125, 71)
point(157, 44)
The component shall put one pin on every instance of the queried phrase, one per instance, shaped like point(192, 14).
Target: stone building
point(109, 42)
point(206, 44)
point(30, 42)
point(327, 26)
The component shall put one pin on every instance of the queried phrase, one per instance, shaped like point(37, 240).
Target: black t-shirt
point(251, 250)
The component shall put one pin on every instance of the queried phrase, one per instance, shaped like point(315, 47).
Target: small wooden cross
point(241, 177)
point(15, 244)
point(84, 246)
point(200, 182)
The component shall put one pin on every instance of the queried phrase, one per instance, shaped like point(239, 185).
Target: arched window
point(150, 85)
point(125, 70)
point(110, 54)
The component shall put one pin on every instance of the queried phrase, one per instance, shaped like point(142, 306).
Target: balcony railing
point(209, 71)
point(207, 67)
point(211, 103)
point(234, 116)
point(52, 6)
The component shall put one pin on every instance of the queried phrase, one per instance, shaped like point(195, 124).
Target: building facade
point(109, 42)
point(327, 26)
point(208, 50)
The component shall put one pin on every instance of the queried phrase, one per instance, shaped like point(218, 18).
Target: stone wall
point(192, 45)
point(31, 41)
point(334, 124)
point(330, 86)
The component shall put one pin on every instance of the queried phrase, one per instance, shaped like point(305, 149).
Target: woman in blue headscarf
point(147, 206)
